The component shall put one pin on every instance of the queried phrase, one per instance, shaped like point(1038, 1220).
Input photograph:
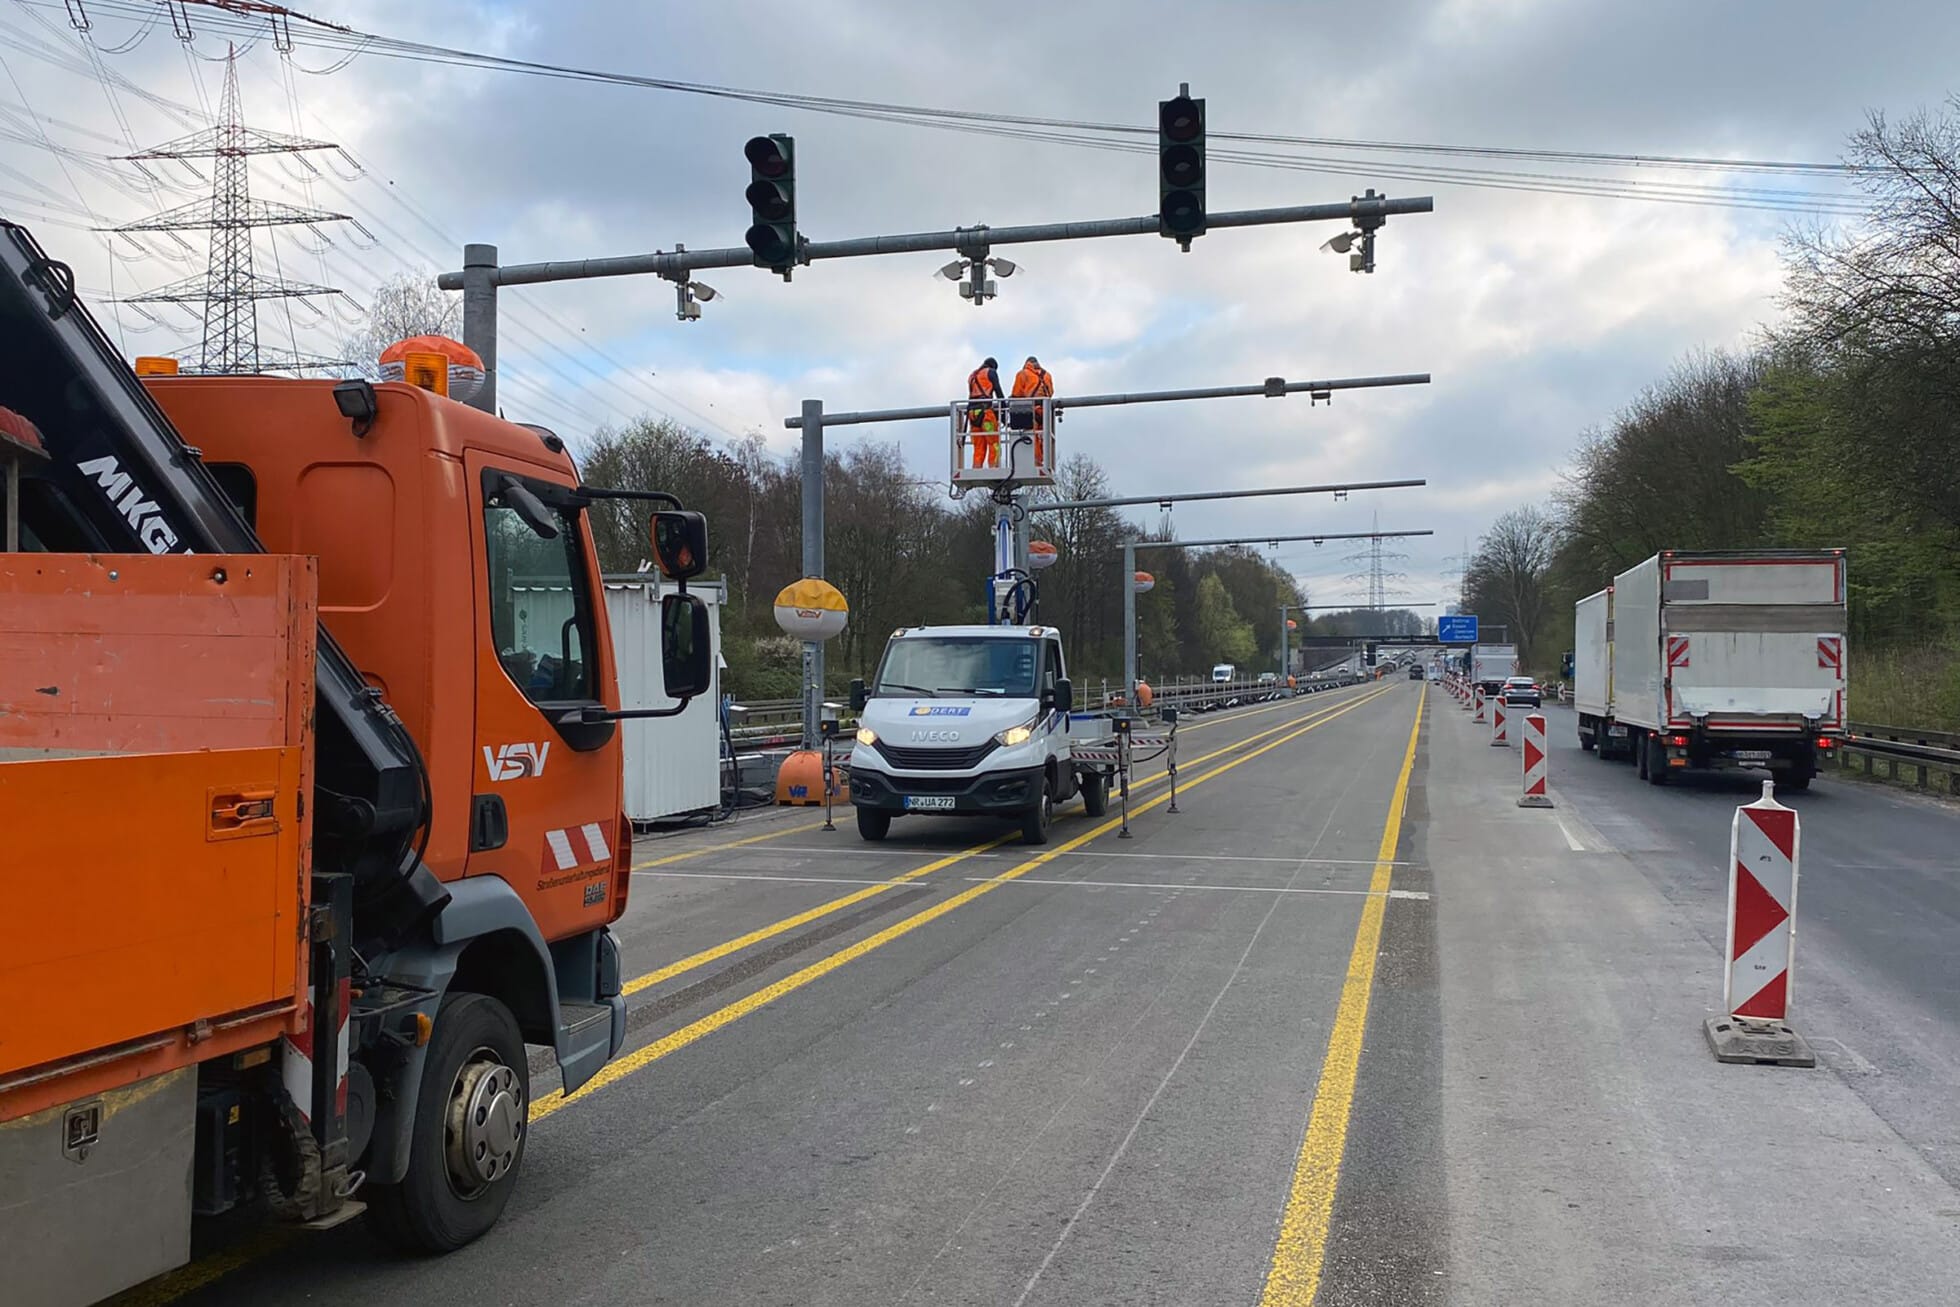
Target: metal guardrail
point(1924, 752)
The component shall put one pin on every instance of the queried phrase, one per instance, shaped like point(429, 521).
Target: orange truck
point(306, 830)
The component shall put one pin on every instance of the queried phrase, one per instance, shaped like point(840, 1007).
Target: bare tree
point(1896, 279)
point(410, 304)
point(1508, 577)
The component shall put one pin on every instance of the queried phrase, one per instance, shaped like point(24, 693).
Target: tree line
point(1835, 428)
point(903, 554)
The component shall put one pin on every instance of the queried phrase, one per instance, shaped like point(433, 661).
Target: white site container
point(673, 764)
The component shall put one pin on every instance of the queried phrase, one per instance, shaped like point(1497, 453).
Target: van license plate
point(928, 803)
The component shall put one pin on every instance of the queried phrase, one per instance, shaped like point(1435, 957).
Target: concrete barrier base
point(1756, 1043)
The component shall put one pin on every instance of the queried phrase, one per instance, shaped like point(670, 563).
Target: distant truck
point(1492, 664)
point(974, 720)
point(1712, 660)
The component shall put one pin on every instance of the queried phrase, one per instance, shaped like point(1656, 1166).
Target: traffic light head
point(1181, 168)
point(772, 201)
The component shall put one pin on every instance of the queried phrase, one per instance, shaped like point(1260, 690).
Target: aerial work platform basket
point(1002, 443)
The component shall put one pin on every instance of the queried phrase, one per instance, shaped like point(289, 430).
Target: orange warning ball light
point(435, 363)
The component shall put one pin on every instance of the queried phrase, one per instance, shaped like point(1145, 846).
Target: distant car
point(1415, 671)
point(1522, 692)
point(1269, 678)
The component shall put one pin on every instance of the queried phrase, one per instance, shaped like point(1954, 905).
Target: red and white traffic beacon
point(1761, 944)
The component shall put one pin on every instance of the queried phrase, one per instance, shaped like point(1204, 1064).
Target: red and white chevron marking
point(1677, 651)
point(1830, 652)
point(1498, 738)
point(1537, 764)
point(1762, 937)
point(571, 847)
point(296, 1060)
point(1480, 706)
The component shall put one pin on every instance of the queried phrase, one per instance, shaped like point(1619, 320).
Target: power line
point(1096, 135)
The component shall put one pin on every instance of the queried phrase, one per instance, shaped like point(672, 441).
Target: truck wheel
point(1796, 781)
point(1589, 742)
point(1656, 761)
point(1638, 751)
point(1035, 821)
point(471, 1120)
point(873, 825)
point(1095, 793)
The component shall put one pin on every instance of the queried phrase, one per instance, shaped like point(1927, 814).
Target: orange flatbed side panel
point(137, 694)
point(120, 917)
point(124, 653)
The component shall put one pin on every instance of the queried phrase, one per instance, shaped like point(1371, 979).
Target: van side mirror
point(680, 543)
point(858, 697)
point(686, 646)
point(1064, 696)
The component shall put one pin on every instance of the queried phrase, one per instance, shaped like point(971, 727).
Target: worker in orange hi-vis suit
point(983, 394)
point(1032, 382)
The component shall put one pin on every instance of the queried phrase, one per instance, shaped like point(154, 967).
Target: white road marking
point(1084, 853)
point(756, 875)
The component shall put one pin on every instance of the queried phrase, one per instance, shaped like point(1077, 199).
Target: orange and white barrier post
point(1761, 942)
point(1498, 739)
point(1537, 765)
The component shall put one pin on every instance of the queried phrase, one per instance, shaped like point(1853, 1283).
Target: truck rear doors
point(1753, 641)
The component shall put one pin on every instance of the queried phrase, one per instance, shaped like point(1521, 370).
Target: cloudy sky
point(1538, 314)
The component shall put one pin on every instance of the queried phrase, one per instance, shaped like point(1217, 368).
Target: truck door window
point(1052, 666)
point(540, 597)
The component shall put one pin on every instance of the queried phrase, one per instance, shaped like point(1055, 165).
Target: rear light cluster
point(1826, 742)
point(1678, 741)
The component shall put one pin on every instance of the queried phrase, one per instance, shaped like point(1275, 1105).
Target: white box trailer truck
point(1491, 664)
point(1592, 669)
point(1727, 659)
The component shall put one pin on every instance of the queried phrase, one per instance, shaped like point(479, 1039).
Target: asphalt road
point(1349, 1028)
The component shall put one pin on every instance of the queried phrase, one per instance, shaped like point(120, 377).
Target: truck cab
point(974, 720)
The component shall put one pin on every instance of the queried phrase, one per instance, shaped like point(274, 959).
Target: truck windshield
point(943, 665)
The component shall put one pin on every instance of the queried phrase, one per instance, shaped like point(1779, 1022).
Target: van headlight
point(1014, 735)
point(866, 736)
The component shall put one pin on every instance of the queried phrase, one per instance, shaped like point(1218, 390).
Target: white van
point(1224, 673)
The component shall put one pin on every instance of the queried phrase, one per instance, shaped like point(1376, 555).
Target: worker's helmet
point(988, 363)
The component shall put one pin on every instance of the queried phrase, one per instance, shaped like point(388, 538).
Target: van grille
point(930, 758)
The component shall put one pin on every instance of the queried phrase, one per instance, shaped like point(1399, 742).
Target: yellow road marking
point(1301, 1249)
point(804, 918)
point(728, 844)
point(696, 1030)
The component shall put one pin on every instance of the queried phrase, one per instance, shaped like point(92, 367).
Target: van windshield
point(949, 665)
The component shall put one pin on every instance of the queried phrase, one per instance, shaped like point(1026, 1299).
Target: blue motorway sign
point(1458, 629)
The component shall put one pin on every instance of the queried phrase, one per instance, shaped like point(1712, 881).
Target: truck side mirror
point(686, 646)
point(858, 697)
point(1064, 696)
point(680, 543)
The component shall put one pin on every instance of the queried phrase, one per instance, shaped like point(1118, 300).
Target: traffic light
point(772, 201)
point(1370, 655)
point(1181, 168)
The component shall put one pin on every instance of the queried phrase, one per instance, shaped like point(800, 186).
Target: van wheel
point(1035, 822)
point(471, 1120)
point(873, 825)
point(1095, 794)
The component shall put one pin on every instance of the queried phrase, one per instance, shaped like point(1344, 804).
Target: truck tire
point(873, 825)
point(1637, 750)
point(471, 1123)
point(1095, 793)
point(1035, 821)
point(1588, 742)
point(1796, 782)
point(1656, 761)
